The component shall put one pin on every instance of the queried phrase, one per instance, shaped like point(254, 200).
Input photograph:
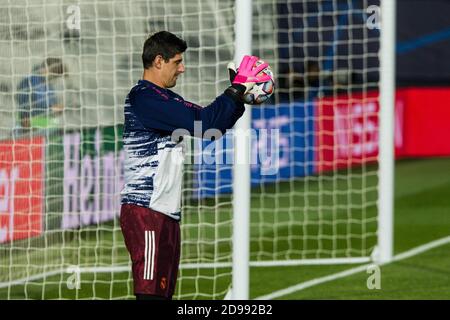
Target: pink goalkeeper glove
point(248, 74)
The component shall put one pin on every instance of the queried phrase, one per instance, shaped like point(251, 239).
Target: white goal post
point(241, 187)
point(386, 156)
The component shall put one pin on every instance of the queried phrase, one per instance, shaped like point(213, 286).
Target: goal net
point(314, 186)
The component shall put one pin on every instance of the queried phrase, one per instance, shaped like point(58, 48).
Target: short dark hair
point(162, 43)
point(54, 66)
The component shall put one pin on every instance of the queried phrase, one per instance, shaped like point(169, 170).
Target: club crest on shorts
point(163, 283)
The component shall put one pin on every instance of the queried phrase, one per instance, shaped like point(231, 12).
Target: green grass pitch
point(422, 214)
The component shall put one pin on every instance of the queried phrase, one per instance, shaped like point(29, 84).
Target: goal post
point(387, 116)
point(242, 171)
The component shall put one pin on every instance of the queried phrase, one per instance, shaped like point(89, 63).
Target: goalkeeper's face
point(171, 70)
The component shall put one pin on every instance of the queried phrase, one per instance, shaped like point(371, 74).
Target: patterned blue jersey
point(153, 162)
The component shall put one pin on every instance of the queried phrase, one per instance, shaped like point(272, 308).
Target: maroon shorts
point(153, 241)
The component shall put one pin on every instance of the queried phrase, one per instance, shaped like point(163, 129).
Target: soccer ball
point(261, 91)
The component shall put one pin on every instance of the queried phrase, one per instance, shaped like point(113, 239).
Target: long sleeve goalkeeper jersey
point(153, 160)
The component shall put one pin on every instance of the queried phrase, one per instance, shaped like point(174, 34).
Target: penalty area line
point(311, 283)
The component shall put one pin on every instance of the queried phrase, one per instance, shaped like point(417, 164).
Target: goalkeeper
point(151, 198)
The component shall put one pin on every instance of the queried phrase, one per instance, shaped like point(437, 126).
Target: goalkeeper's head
point(162, 58)
point(53, 68)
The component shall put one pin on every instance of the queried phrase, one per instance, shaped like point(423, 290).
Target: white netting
point(323, 206)
point(60, 184)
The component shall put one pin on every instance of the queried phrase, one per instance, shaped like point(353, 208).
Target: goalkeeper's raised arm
point(151, 197)
point(159, 108)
